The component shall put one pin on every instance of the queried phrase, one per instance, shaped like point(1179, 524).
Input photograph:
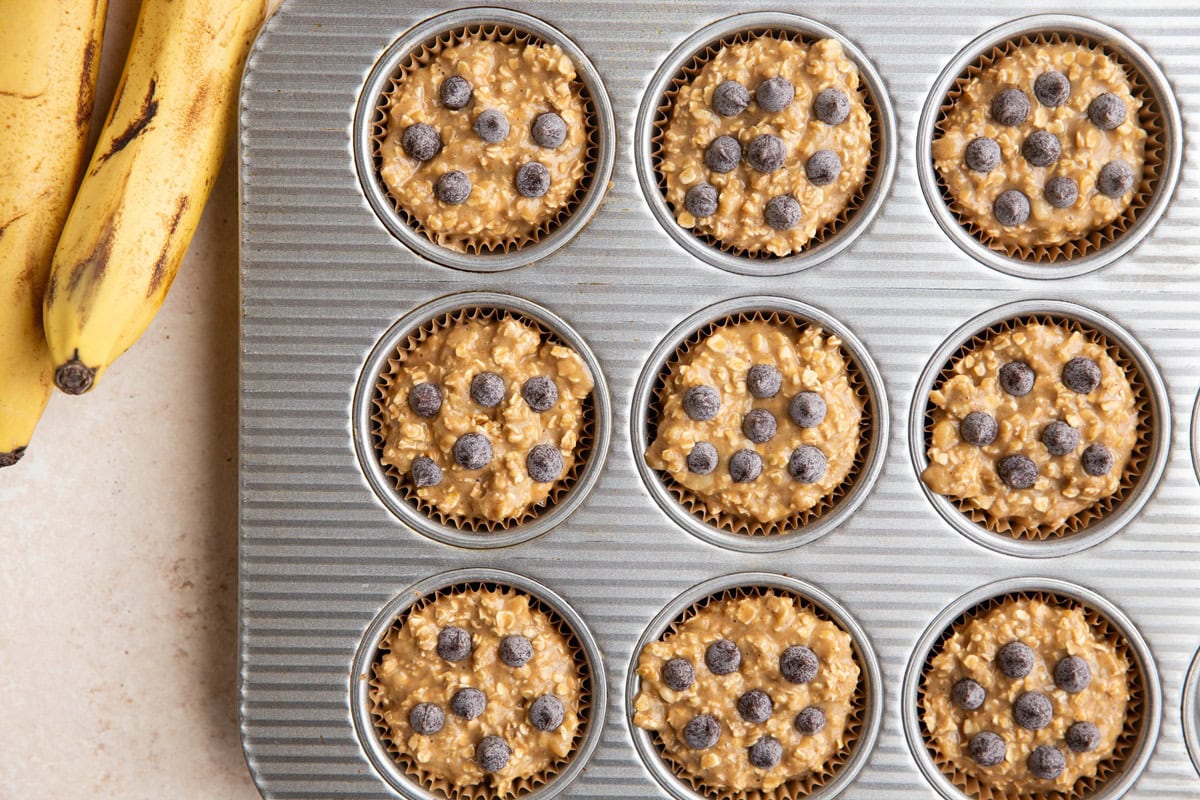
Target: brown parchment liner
point(401, 482)
point(1149, 117)
point(1138, 457)
point(423, 56)
point(688, 73)
point(484, 791)
point(1107, 769)
point(709, 510)
point(801, 785)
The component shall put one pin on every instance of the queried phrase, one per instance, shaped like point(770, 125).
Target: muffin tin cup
point(1170, 157)
point(384, 486)
point(360, 690)
point(1190, 711)
point(868, 664)
point(377, 195)
point(1195, 439)
point(1151, 714)
point(884, 147)
point(873, 458)
point(1094, 532)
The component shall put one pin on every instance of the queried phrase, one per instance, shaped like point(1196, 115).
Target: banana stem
point(12, 457)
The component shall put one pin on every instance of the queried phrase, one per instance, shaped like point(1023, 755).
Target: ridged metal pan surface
point(323, 280)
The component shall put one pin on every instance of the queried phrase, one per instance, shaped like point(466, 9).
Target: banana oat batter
point(749, 693)
point(1026, 698)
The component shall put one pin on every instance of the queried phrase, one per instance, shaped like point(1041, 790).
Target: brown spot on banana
point(160, 266)
point(135, 128)
point(87, 89)
point(93, 266)
point(74, 377)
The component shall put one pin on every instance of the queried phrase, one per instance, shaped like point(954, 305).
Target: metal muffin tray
point(325, 557)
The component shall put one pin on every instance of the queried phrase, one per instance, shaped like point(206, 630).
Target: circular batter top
point(1046, 634)
point(521, 81)
point(1027, 160)
point(740, 220)
point(1106, 416)
point(807, 362)
point(413, 670)
point(482, 371)
point(762, 627)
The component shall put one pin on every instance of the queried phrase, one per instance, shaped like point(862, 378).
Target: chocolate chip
point(533, 179)
point(1106, 111)
point(1033, 711)
point(1060, 438)
point(1011, 208)
point(1061, 191)
point(702, 732)
point(831, 106)
point(723, 154)
point(1052, 89)
point(782, 212)
point(487, 389)
point(515, 650)
point(978, 428)
point(1115, 179)
point(425, 472)
point(745, 466)
point(547, 713)
point(540, 393)
point(426, 719)
point(1082, 737)
point(1016, 378)
point(1010, 107)
point(798, 664)
point(1015, 659)
point(823, 167)
point(766, 752)
point(982, 154)
point(730, 98)
point(766, 153)
point(549, 130)
point(678, 674)
point(1081, 375)
point(968, 695)
point(775, 94)
point(807, 409)
point(491, 126)
point(702, 459)
point(425, 400)
point(987, 749)
point(701, 403)
point(1072, 675)
point(763, 381)
point(468, 703)
point(755, 706)
point(807, 464)
point(810, 721)
point(453, 187)
point(702, 200)
point(722, 657)
point(455, 92)
point(759, 425)
point(453, 643)
point(1041, 148)
point(473, 451)
point(492, 754)
point(544, 463)
point(1097, 460)
point(1017, 471)
point(421, 141)
point(1046, 762)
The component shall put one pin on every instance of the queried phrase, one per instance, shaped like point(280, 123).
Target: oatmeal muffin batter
point(1026, 698)
point(1035, 425)
point(749, 693)
point(478, 686)
point(759, 419)
point(1043, 146)
point(482, 417)
point(486, 141)
point(767, 144)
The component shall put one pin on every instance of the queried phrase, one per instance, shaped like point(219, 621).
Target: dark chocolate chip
point(745, 466)
point(1033, 711)
point(702, 459)
point(807, 409)
point(533, 179)
point(723, 154)
point(453, 643)
point(823, 167)
point(549, 130)
point(1011, 208)
point(425, 472)
point(782, 212)
point(978, 428)
point(766, 752)
point(1106, 111)
point(763, 381)
point(515, 650)
point(1041, 148)
point(1016, 378)
point(544, 463)
point(759, 425)
point(547, 713)
point(678, 674)
point(473, 451)
point(492, 754)
point(425, 400)
point(421, 141)
point(426, 719)
point(1082, 737)
point(968, 695)
point(1010, 107)
point(1015, 659)
point(468, 703)
point(1115, 179)
point(540, 393)
point(775, 94)
point(492, 126)
point(702, 732)
point(807, 464)
point(810, 721)
point(722, 657)
point(487, 389)
point(755, 706)
point(730, 98)
point(453, 187)
point(987, 749)
point(1060, 438)
point(1061, 191)
point(1072, 675)
point(455, 92)
point(701, 403)
point(798, 664)
point(1046, 762)
point(766, 153)
point(1081, 375)
point(982, 154)
point(1097, 460)
point(1052, 89)
point(702, 200)
point(831, 106)
point(1017, 471)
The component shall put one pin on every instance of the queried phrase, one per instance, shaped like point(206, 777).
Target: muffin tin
point(325, 560)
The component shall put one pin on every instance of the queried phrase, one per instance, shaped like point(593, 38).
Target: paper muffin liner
point(1126, 742)
point(688, 73)
point(484, 791)
point(423, 56)
point(1138, 457)
point(403, 484)
point(708, 510)
point(1150, 117)
point(800, 786)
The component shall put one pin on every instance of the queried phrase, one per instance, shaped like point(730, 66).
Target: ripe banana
point(49, 56)
point(150, 175)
